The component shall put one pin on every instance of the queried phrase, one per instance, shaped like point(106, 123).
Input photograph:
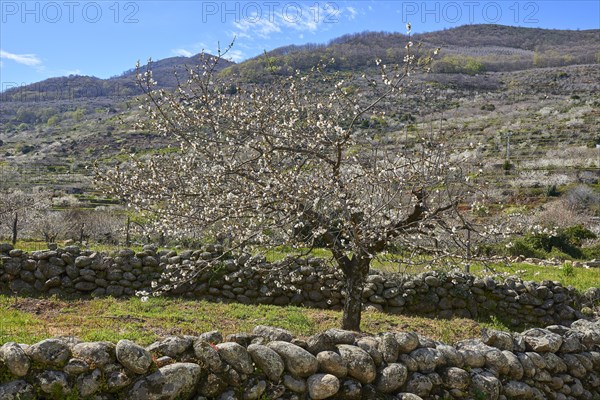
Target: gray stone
point(407, 341)
point(389, 347)
point(297, 361)
point(76, 366)
point(114, 290)
point(171, 346)
point(332, 363)
point(572, 342)
point(408, 396)
point(6, 248)
point(21, 287)
point(322, 386)
point(517, 390)
point(236, 356)
point(174, 381)
point(590, 331)
point(427, 358)
point(391, 378)
point(419, 384)
point(371, 346)
point(456, 378)
point(360, 364)
point(213, 337)
point(500, 340)
point(514, 367)
point(297, 385)
point(496, 360)
point(350, 390)
point(529, 368)
point(542, 340)
point(273, 334)
point(117, 380)
point(53, 382)
point(15, 359)
point(82, 261)
point(207, 356)
point(267, 360)
point(89, 384)
point(320, 342)
point(133, 357)
point(256, 391)
point(487, 384)
point(340, 336)
point(85, 286)
point(452, 356)
point(98, 354)
point(49, 352)
point(17, 390)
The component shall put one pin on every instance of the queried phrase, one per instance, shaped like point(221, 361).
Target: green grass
point(28, 320)
point(580, 278)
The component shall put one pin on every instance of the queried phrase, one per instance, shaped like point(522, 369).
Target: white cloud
point(235, 55)
point(263, 27)
point(183, 52)
point(353, 12)
point(27, 59)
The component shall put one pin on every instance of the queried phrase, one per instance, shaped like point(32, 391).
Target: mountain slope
point(124, 85)
point(491, 47)
point(468, 49)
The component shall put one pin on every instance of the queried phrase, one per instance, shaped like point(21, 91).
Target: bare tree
point(289, 162)
point(16, 209)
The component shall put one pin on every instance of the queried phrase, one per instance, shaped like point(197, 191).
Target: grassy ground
point(28, 320)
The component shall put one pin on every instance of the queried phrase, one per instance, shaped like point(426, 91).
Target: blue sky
point(42, 39)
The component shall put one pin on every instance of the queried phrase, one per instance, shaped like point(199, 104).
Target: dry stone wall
point(557, 363)
point(305, 282)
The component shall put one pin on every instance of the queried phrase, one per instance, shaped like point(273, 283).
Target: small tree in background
point(18, 210)
point(287, 162)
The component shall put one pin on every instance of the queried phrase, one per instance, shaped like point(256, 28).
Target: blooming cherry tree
point(288, 162)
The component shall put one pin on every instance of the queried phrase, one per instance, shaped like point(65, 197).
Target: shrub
point(552, 191)
point(521, 247)
point(582, 197)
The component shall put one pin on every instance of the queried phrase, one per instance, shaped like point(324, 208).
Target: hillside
point(467, 49)
point(487, 47)
point(52, 132)
point(165, 72)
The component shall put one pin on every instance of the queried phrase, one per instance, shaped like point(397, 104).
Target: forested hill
point(165, 73)
point(469, 49)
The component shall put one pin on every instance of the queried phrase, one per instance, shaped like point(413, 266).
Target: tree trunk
point(355, 272)
point(127, 234)
point(14, 229)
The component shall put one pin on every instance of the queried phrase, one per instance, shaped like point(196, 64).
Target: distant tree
point(287, 162)
point(18, 210)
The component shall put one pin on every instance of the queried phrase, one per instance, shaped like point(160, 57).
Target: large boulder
point(50, 352)
point(17, 390)
point(15, 359)
point(322, 386)
point(95, 353)
point(360, 364)
point(542, 340)
point(133, 357)
point(236, 356)
point(267, 360)
point(297, 361)
point(174, 381)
